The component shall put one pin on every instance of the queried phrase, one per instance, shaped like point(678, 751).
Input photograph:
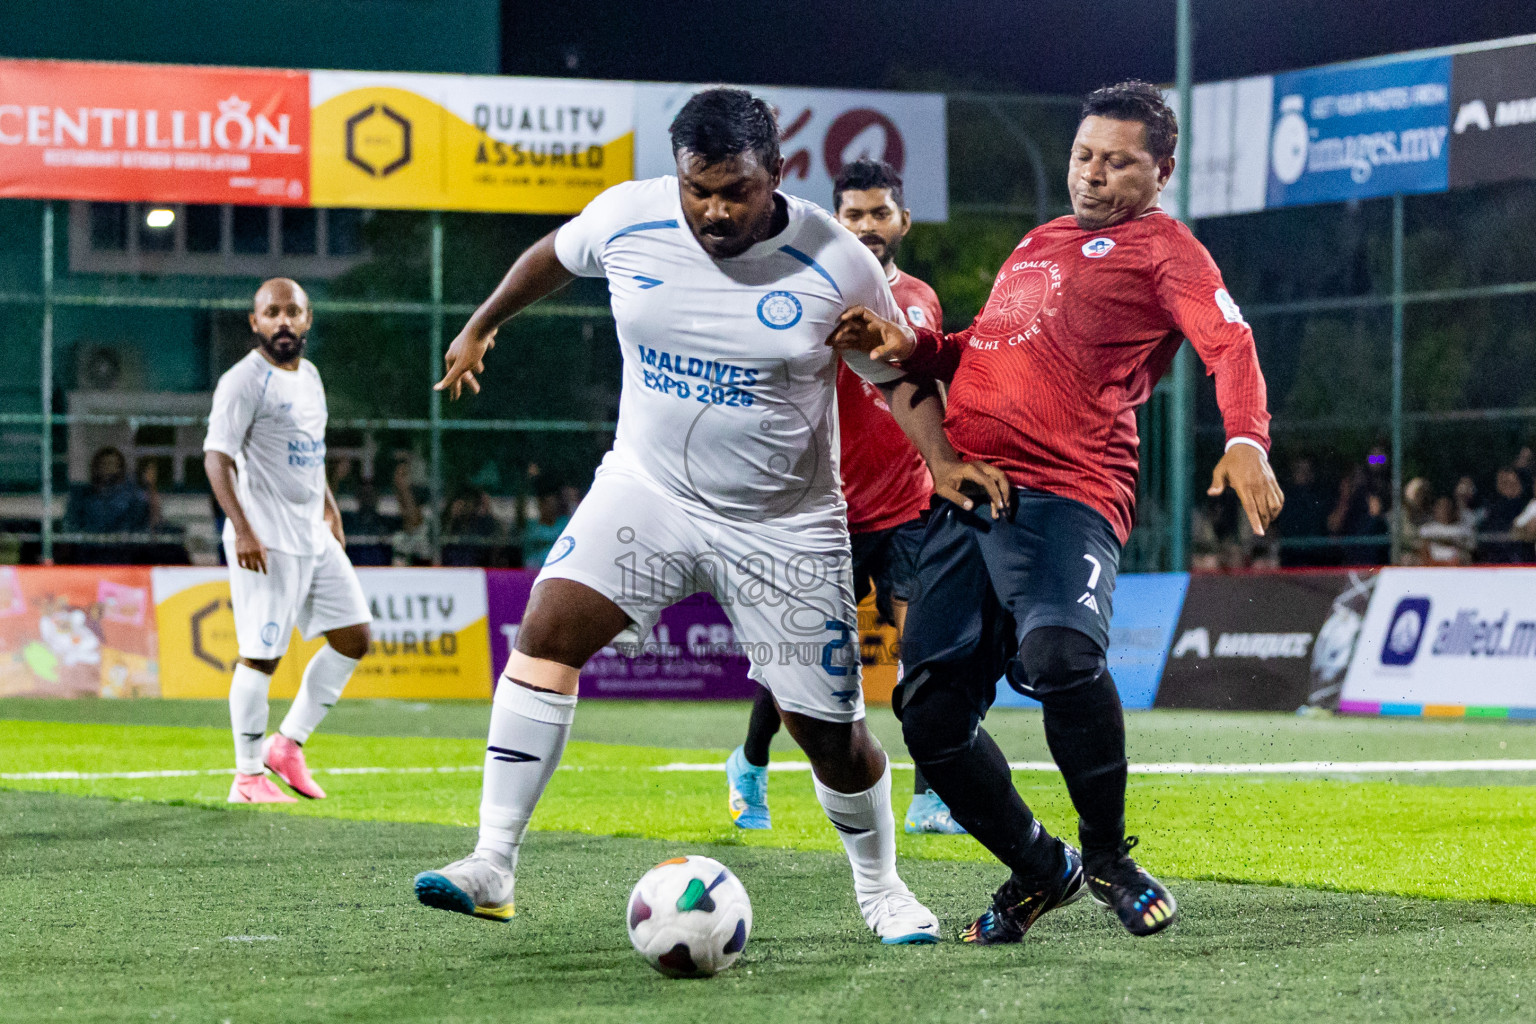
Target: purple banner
point(679, 660)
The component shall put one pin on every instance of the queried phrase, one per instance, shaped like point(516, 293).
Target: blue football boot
point(748, 792)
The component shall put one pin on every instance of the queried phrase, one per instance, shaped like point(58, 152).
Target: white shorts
point(788, 595)
point(316, 593)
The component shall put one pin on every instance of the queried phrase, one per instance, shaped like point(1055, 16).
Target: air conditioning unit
point(102, 367)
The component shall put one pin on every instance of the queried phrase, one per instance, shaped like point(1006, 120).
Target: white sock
point(868, 827)
point(248, 717)
point(324, 677)
point(528, 733)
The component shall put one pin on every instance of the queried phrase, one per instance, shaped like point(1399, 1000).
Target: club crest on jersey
point(779, 310)
point(1098, 248)
point(916, 317)
point(564, 546)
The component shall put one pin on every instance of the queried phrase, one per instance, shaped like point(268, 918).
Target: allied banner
point(1352, 132)
point(1493, 93)
point(77, 632)
point(692, 653)
point(1264, 642)
point(1146, 611)
point(820, 131)
point(1448, 642)
point(154, 132)
point(461, 142)
point(430, 635)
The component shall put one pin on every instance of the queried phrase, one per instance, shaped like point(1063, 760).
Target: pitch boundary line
point(1165, 768)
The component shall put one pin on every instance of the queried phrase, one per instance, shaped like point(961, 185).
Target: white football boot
point(898, 918)
point(474, 885)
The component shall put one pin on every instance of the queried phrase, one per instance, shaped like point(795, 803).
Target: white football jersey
point(272, 423)
point(728, 399)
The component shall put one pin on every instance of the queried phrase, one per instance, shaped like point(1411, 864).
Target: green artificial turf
point(128, 911)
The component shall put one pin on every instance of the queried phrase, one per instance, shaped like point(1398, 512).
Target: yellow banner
point(431, 640)
point(456, 142)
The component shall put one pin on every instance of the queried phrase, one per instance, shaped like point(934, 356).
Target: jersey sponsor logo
point(1017, 302)
point(563, 547)
point(916, 317)
point(779, 310)
point(1098, 248)
point(1229, 309)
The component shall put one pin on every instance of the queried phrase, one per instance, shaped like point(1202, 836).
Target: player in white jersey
point(723, 478)
point(265, 457)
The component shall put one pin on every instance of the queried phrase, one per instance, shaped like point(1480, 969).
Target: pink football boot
point(257, 789)
point(286, 759)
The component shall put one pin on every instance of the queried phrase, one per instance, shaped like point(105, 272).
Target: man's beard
point(887, 253)
point(283, 347)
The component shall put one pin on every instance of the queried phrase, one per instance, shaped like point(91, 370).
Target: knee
point(351, 642)
point(1055, 660)
point(937, 723)
point(266, 666)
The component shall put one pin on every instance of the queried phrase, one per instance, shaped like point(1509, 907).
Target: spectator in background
point(570, 498)
point(1305, 515)
point(413, 542)
point(471, 531)
point(1525, 467)
point(1361, 512)
point(110, 503)
point(1525, 529)
point(1509, 500)
point(1417, 513)
point(367, 531)
point(1469, 509)
point(1443, 540)
point(540, 534)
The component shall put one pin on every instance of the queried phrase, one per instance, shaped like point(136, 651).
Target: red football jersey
point(1080, 325)
point(885, 480)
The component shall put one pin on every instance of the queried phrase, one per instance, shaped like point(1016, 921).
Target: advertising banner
point(1447, 642)
point(1493, 93)
point(153, 132)
point(430, 635)
point(690, 654)
point(77, 632)
point(1231, 148)
point(820, 130)
point(1146, 611)
point(1352, 132)
point(1264, 642)
point(460, 142)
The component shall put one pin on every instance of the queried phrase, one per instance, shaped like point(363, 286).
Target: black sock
point(761, 728)
point(919, 782)
point(1086, 733)
point(963, 764)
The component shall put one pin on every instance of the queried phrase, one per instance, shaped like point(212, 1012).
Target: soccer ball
point(689, 917)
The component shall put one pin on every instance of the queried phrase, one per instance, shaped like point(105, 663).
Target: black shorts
point(886, 561)
point(984, 584)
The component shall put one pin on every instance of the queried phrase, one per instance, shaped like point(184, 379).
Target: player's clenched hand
point(1246, 470)
point(863, 330)
point(465, 358)
point(250, 552)
point(957, 481)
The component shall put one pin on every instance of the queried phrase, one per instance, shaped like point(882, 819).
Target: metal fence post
point(434, 372)
point(1397, 377)
point(46, 385)
point(1180, 403)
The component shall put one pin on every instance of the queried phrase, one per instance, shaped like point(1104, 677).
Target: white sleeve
point(868, 287)
point(579, 243)
point(234, 409)
point(1527, 516)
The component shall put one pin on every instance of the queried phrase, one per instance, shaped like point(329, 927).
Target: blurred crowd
point(1469, 520)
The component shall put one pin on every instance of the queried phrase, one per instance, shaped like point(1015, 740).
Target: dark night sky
point(1028, 46)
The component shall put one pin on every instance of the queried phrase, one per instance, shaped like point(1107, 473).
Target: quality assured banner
point(430, 635)
point(460, 142)
point(691, 654)
point(820, 131)
point(1447, 642)
point(77, 632)
point(153, 132)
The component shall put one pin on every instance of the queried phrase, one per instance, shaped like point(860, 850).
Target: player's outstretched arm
point(537, 273)
point(250, 553)
point(1246, 470)
point(918, 410)
point(860, 329)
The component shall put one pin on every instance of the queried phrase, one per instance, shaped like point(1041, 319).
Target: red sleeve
point(1190, 289)
point(937, 354)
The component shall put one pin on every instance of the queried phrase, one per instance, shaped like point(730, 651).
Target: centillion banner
point(460, 142)
point(431, 640)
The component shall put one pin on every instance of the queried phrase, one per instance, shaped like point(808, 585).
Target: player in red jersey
point(1083, 319)
point(885, 483)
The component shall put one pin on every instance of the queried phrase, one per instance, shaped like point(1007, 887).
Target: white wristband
point(1246, 440)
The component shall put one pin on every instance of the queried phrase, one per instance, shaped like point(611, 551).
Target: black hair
point(866, 174)
point(717, 124)
point(1137, 101)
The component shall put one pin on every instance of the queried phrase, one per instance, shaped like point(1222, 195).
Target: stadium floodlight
point(160, 217)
